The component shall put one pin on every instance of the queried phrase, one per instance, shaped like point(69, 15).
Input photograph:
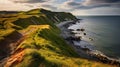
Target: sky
point(76, 7)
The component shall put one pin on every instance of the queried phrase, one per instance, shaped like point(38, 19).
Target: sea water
point(105, 32)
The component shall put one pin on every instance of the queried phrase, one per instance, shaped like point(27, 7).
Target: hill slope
point(31, 39)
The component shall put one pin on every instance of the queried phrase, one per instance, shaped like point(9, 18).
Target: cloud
point(98, 2)
point(30, 1)
point(13, 7)
point(95, 2)
point(72, 3)
point(92, 7)
point(69, 5)
point(48, 6)
point(74, 6)
point(97, 11)
point(29, 4)
point(89, 4)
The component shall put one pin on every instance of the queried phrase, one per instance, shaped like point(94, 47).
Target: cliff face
point(31, 39)
point(33, 17)
point(53, 16)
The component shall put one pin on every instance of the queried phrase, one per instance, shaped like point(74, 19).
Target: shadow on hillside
point(8, 44)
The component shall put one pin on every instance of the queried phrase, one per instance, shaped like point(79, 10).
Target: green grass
point(57, 41)
point(4, 33)
point(43, 47)
point(33, 17)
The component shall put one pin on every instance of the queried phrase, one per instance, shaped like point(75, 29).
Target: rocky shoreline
point(86, 51)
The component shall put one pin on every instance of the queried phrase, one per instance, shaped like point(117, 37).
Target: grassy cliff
point(39, 43)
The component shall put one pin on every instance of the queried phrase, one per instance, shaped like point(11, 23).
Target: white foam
point(93, 51)
point(84, 44)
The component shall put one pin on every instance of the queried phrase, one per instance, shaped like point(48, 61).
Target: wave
point(92, 50)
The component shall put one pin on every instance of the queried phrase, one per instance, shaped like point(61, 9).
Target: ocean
point(105, 32)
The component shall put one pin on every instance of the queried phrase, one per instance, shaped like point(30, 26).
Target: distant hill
point(8, 12)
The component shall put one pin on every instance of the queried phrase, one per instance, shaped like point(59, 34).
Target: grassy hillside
point(21, 20)
point(40, 44)
point(45, 48)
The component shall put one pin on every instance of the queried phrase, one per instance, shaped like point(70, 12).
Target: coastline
point(85, 51)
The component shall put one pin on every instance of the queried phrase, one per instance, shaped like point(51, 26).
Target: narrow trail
point(17, 54)
point(15, 58)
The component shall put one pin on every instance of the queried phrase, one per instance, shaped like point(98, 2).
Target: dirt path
point(15, 58)
point(17, 54)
